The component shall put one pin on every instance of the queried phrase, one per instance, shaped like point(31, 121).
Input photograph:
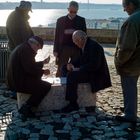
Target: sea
point(46, 17)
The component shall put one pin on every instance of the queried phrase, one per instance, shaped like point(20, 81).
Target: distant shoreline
point(57, 5)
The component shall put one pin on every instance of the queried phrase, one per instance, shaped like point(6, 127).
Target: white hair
point(33, 41)
point(79, 34)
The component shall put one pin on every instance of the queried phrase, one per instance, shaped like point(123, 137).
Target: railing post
point(4, 56)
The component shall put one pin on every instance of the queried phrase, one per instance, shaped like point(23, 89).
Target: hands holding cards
point(47, 60)
point(70, 67)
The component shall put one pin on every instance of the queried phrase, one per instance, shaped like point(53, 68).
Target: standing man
point(24, 74)
point(64, 48)
point(127, 59)
point(18, 28)
point(90, 68)
point(17, 25)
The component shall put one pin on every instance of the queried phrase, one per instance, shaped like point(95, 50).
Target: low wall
point(101, 35)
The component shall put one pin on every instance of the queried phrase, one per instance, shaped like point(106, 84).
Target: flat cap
point(26, 5)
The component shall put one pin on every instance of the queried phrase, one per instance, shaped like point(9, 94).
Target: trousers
point(129, 88)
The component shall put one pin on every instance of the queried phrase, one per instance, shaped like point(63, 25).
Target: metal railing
point(4, 56)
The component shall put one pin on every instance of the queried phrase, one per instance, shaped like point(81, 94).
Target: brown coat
point(18, 28)
point(127, 56)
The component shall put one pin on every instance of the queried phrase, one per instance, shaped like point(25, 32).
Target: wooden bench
point(55, 99)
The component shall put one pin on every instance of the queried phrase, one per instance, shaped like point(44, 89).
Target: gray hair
point(74, 4)
point(32, 41)
point(79, 34)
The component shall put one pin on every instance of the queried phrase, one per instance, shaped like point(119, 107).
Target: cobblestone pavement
point(78, 125)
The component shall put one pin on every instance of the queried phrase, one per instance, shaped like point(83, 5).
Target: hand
point(76, 69)
point(47, 72)
point(70, 67)
point(46, 61)
point(55, 54)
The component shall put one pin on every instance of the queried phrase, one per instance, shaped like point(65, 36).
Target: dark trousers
point(129, 87)
point(66, 53)
point(73, 78)
point(38, 90)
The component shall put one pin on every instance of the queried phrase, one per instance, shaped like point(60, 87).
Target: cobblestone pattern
point(79, 125)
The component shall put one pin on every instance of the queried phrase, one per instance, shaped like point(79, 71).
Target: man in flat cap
point(64, 48)
point(17, 26)
point(24, 74)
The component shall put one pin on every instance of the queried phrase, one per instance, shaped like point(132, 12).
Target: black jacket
point(22, 68)
point(78, 23)
point(94, 63)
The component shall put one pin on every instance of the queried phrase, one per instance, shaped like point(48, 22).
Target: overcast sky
point(92, 1)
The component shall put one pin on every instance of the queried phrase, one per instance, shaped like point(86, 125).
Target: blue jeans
point(129, 88)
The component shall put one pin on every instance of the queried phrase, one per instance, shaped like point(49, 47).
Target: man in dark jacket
point(17, 26)
point(64, 48)
point(127, 59)
point(90, 68)
point(24, 74)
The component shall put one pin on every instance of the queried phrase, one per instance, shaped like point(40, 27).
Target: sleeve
point(126, 43)
point(29, 65)
point(57, 37)
point(22, 31)
point(84, 26)
point(26, 31)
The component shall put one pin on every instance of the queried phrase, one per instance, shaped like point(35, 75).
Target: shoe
point(69, 108)
point(13, 97)
point(26, 112)
point(133, 122)
point(132, 127)
point(90, 109)
point(122, 109)
point(124, 119)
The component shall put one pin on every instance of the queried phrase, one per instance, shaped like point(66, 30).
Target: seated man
point(90, 68)
point(24, 74)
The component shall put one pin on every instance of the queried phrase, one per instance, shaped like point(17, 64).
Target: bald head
point(79, 38)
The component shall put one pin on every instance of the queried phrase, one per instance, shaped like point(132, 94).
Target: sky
point(91, 1)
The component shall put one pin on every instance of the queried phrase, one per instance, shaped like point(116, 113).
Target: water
point(45, 17)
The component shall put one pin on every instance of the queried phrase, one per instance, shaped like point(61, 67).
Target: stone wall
point(101, 35)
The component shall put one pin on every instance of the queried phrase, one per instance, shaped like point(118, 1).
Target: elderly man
point(91, 68)
point(24, 74)
point(17, 26)
point(64, 48)
point(127, 59)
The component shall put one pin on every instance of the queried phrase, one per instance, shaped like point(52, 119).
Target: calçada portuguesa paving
point(78, 125)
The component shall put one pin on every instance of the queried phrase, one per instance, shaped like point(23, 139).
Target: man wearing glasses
point(64, 48)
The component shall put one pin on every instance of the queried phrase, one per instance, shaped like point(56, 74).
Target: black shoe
point(122, 109)
point(124, 119)
point(26, 112)
point(70, 108)
point(132, 127)
point(90, 109)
